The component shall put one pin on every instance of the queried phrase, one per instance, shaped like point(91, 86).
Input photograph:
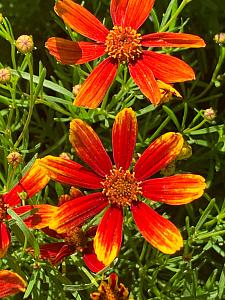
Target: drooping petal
point(4, 239)
point(69, 172)
point(74, 53)
point(39, 219)
point(81, 20)
point(130, 13)
point(158, 231)
point(174, 190)
point(171, 39)
point(158, 155)
point(75, 212)
point(108, 238)
point(124, 134)
point(167, 68)
point(143, 76)
point(33, 182)
point(89, 147)
point(91, 260)
point(96, 85)
point(10, 283)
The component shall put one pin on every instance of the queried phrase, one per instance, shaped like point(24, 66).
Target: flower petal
point(89, 147)
point(174, 190)
point(81, 20)
point(91, 260)
point(96, 85)
point(73, 53)
point(143, 76)
point(33, 182)
point(124, 134)
point(4, 239)
point(171, 39)
point(108, 238)
point(167, 68)
point(69, 172)
point(158, 155)
point(75, 212)
point(130, 13)
point(158, 231)
point(39, 219)
point(10, 283)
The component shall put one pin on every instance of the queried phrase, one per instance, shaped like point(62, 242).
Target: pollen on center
point(121, 187)
point(123, 44)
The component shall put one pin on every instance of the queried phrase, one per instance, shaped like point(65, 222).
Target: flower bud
point(76, 89)
point(210, 114)
point(220, 38)
point(1, 18)
point(25, 44)
point(14, 159)
point(5, 75)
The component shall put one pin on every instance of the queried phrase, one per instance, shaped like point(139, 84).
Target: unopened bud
point(169, 170)
point(75, 193)
point(25, 44)
point(185, 152)
point(63, 199)
point(65, 155)
point(220, 38)
point(5, 75)
point(14, 159)
point(210, 114)
point(1, 18)
point(76, 89)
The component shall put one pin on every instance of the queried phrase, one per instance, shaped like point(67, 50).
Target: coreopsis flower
point(123, 44)
point(11, 283)
point(33, 181)
point(111, 290)
point(121, 187)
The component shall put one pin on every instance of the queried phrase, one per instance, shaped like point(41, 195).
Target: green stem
point(189, 130)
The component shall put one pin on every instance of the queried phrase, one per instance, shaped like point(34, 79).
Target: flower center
point(121, 187)
point(3, 209)
point(76, 238)
point(123, 44)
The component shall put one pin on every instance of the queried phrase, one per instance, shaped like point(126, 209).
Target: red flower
point(122, 44)
point(122, 187)
point(10, 283)
point(34, 181)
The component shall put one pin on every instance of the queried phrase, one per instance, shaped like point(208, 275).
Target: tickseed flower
point(33, 181)
point(25, 44)
point(75, 240)
point(5, 75)
point(122, 44)
point(111, 290)
point(122, 187)
point(11, 283)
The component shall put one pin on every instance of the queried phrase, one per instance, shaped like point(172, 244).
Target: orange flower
point(10, 283)
point(122, 44)
point(34, 181)
point(122, 187)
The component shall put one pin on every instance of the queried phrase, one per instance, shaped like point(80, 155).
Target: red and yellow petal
point(158, 155)
point(158, 231)
point(74, 53)
point(69, 172)
point(39, 219)
point(174, 190)
point(130, 13)
point(81, 20)
point(91, 260)
point(75, 212)
point(108, 238)
point(142, 74)
point(10, 283)
point(96, 85)
point(167, 68)
point(89, 147)
point(4, 239)
point(124, 135)
point(33, 182)
point(170, 39)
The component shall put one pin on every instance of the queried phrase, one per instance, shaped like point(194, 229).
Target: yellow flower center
point(3, 209)
point(76, 238)
point(123, 44)
point(121, 187)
